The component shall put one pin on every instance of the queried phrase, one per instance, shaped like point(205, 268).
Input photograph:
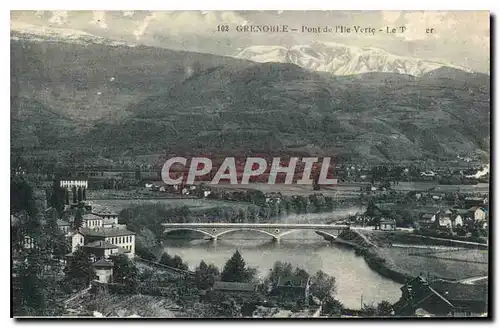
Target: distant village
point(94, 229)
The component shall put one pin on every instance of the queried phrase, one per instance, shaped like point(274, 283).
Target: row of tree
point(38, 250)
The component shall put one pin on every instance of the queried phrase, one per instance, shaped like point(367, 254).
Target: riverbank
point(369, 251)
point(401, 263)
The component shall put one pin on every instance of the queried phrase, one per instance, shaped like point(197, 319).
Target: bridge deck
point(256, 225)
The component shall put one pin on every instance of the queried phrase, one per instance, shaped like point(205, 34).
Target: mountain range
point(339, 59)
point(78, 91)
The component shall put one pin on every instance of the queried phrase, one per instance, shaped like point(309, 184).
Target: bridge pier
point(277, 240)
point(214, 240)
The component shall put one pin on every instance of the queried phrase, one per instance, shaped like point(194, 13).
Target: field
point(352, 190)
point(454, 264)
point(193, 204)
point(482, 188)
point(339, 191)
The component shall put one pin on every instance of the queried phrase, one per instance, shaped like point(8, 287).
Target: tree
point(21, 197)
point(73, 189)
point(175, 262)
point(34, 287)
point(206, 275)
point(78, 222)
point(54, 240)
point(80, 195)
point(138, 174)
point(179, 264)
point(79, 270)
point(322, 285)
point(235, 270)
point(146, 239)
point(368, 310)
point(125, 272)
point(332, 307)
point(224, 307)
point(146, 254)
point(279, 269)
point(384, 309)
point(34, 294)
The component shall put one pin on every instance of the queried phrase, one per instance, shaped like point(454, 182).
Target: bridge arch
point(287, 232)
point(167, 231)
point(246, 229)
point(328, 233)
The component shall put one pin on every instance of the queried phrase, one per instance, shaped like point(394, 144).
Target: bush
point(146, 254)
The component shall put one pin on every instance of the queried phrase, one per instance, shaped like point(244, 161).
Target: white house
point(77, 240)
point(478, 213)
point(64, 226)
point(101, 249)
point(103, 270)
point(91, 220)
point(458, 220)
point(70, 183)
point(387, 225)
point(117, 236)
point(445, 222)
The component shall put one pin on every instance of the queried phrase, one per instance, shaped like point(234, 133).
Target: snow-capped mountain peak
point(21, 30)
point(340, 59)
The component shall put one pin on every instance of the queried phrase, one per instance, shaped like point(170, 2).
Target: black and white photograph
point(253, 164)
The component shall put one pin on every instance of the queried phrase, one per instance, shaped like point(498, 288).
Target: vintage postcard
point(250, 164)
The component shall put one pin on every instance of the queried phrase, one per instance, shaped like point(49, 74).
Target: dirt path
point(473, 280)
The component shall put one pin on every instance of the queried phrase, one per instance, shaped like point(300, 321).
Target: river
point(305, 249)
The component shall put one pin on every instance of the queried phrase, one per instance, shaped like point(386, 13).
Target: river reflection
point(305, 249)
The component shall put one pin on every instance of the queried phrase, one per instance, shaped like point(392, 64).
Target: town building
point(103, 271)
point(441, 299)
point(76, 189)
point(100, 249)
point(291, 288)
point(476, 201)
point(478, 213)
point(386, 225)
point(77, 241)
point(64, 226)
point(427, 219)
point(106, 213)
point(118, 236)
point(91, 221)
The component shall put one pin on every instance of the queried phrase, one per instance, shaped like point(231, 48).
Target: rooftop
point(476, 198)
point(473, 208)
point(62, 223)
point(103, 263)
point(455, 291)
point(108, 221)
point(90, 216)
point(234, 286)
point(73, 179)
point(291, 282)
point(103, 211)
point(100, 244)
point(106, 232)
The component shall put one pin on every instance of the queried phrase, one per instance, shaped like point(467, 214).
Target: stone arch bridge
point(274, 230)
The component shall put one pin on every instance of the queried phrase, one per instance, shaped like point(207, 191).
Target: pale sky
point(459, 38)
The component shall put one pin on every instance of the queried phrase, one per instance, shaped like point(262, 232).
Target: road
point(473, 280)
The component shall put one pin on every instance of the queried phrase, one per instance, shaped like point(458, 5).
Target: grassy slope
point(141, 98)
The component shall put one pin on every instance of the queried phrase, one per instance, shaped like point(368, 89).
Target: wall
point(104, 275)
